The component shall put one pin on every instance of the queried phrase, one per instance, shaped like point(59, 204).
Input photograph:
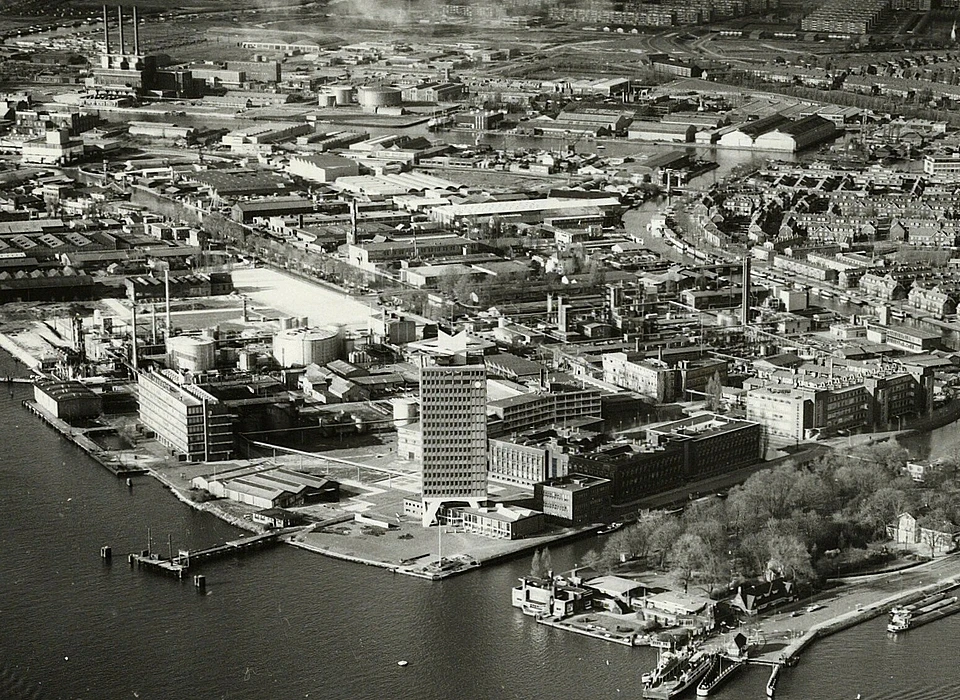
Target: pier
point(179, 564)
point(17, 380)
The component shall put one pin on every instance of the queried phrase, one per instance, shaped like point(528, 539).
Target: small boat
point(401, 663)
point(612, 527)
point(129, 481)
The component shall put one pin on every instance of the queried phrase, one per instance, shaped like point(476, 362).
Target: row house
point(934, 300)
point(883, 286)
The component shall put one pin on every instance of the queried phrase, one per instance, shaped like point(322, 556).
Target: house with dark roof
point(754, 597)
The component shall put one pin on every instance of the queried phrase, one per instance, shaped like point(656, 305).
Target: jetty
point(179, 565)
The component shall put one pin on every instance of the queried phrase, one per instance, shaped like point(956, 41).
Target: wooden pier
point(179, 564)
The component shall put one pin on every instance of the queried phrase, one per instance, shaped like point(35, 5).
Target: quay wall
point(18, 352)
point(850, 619)
point(340, 555)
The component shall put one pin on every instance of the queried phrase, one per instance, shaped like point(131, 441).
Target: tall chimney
point(120, 22)
point(133, 320)
point(106, 31)
point(745, 311)
point(166, 285)
point(136, 32)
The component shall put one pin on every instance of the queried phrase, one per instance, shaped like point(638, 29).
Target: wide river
point(282, 623)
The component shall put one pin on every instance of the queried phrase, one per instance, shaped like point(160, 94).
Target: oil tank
point(327, 99)
point(373, 97)
point(304, 346)
point(343, 94)
point(405, 411)
point(185, 352)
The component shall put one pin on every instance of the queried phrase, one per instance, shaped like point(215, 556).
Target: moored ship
point(718, 674)
point(687, 673)
point(912, 616)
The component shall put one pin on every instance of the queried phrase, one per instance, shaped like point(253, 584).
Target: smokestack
point(353, 220)
point(133, 311)
point(136, 32)
point(106, 31)
point(166, 284)
point(120, 22)
point(745, 320)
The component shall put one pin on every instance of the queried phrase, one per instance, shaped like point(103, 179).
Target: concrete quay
point(79, 438)
point(865, 598)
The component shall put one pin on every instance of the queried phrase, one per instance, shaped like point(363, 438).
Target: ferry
point(718, 675)
point(912, 616)
point(692, 671)
point(667, 663)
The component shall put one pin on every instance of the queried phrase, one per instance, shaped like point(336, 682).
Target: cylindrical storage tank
point(303, 321)
point(372, 97)
point(342, 94)
point(327, 99)
point(304, 346)
point(405, 411)
point(185, 352)
point(286, 323)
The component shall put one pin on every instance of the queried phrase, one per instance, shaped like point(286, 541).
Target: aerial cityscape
point(610, 345)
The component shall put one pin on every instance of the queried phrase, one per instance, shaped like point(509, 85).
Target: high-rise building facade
point(453, 419)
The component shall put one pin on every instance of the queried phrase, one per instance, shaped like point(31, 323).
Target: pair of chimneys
point(106, 31)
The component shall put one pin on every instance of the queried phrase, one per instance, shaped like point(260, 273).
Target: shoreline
point(787, 656)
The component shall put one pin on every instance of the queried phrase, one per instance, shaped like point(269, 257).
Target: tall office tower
point(453, 418)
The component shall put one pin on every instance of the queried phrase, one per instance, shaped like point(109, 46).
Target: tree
point(617, 549)
point(714, 393)
point(591, 559)
point(542, 564)
point(692, 560)
point(663, 538)
point(789, 557)
point(881, 508)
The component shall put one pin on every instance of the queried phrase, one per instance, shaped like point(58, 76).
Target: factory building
point(186, 418)
point(798, 135)
point(126, 73)
point(67, 400)
point(525, 210)
point(324, 167)
point(746, 134)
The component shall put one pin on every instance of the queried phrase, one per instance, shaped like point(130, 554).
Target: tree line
point(795, 521)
